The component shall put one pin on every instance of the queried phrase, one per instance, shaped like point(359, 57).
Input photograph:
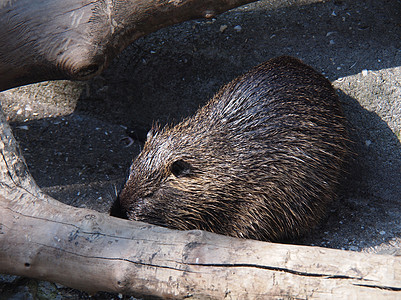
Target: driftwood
point(43, 238)
point(76, 39)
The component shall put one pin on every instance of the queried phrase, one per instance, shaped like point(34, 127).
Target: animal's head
point(182, 179)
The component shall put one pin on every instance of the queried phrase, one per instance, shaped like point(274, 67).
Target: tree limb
point(76, 39)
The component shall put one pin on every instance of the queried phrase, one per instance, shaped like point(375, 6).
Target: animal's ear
point(180, 168)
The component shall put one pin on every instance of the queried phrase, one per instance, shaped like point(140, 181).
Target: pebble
point(364, 72)
point(237, 28)
point(223, 28)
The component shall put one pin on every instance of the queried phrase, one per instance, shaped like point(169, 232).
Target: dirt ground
point(73, 134)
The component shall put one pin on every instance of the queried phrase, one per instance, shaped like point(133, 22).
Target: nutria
point(261, 160)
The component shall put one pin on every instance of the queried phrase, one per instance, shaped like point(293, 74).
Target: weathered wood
point(91, 251)
point(76, 39)
point(43, 238)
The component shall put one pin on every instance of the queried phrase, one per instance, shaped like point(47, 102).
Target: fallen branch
point(76, 39)
point(43, 238)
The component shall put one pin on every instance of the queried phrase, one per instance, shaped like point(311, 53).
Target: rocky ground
point(73, 134)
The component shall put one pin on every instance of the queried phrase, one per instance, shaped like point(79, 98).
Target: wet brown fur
point(261, 160)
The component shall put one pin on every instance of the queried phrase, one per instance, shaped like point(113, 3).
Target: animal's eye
point(180, 168)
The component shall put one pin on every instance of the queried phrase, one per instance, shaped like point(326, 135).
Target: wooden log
point(76, 39)
point(90, 251)
point(43, 238)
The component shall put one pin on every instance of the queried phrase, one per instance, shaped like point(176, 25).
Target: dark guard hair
point(261, 160)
